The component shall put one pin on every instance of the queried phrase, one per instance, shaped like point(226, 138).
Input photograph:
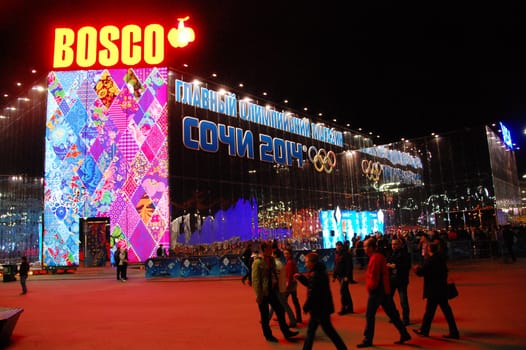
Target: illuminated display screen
point(340, 225)
point(506, 136)
point(106, 156)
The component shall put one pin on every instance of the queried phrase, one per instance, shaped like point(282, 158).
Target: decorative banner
point(215, 265)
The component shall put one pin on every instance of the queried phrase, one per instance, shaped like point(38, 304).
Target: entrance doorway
point(94, 250)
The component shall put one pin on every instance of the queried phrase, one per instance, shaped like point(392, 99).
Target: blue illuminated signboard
point(506, 136)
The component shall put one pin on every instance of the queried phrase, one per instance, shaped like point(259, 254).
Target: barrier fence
point(481, 249)
point(231, 264)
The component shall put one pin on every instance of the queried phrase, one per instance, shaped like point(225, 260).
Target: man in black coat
point(342, 273)
point(347, 246)
point(23, 271)
point(161, 252)
point(434, 271)
point(399, 264)
point(319, 302)
point(509, 236)
point(248, 258)
point(121, 261)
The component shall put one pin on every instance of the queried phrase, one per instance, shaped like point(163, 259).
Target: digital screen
point(340, 225)
point(106, 156)
point(506, 136)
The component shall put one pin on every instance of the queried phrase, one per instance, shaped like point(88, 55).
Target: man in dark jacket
point(121, 261)
point(248, 258)
point(319, 302)
point(508, 235)
point(434, 271)
point(161, 253)
point(399, 264)
point(342, 273)
point(347, 246)
point(23, 271)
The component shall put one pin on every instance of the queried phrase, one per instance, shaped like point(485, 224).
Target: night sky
point(394, 69)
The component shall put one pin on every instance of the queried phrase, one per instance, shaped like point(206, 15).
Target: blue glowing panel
point(240, 222)
point(506, 136)
point(339, 225)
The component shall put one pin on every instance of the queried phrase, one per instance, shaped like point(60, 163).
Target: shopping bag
point(452, 291)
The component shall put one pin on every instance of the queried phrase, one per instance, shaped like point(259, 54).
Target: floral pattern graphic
point(106, 89)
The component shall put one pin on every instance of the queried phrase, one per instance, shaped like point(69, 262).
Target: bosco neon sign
point(111, 46)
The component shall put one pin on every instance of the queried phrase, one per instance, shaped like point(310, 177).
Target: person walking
point(23, 272)
point(342, 273)
point(435, 273)
point(422, 246)
point(282, 287)
point(378, 287)
point(360, 254)
point(319, 302)
point(265, 285)
point(248, 258)
point(121, 261)
point(292, 285)
point(399, 264)
point(509, 236)
point(347, 246)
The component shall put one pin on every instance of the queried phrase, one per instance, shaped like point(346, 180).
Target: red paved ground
point(91, 310)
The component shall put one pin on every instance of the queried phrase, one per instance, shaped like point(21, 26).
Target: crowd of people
point(461, 242)
point(274, 277)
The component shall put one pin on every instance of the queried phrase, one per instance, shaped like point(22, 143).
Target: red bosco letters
point(112, 46)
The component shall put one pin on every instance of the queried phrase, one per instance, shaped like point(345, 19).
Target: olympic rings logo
point(372, 170)
point(322, 160)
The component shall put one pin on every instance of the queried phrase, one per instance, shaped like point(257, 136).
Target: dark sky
point(397, 69)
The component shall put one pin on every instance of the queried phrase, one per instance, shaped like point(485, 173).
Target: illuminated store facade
point(161, 158)
point(228, 168)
